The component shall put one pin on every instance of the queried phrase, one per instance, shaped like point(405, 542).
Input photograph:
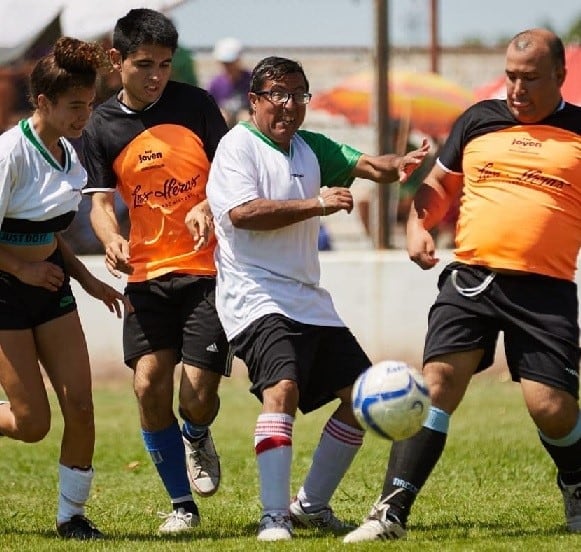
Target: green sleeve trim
point(336, 161)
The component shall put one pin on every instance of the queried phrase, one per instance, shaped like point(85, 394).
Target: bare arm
point(73, 266)
point(106, 227)
point(98, 289)
point(270, 214)
point(431, 203)
point(390, 167)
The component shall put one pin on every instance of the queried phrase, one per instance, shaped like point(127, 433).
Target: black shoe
point(79, 527)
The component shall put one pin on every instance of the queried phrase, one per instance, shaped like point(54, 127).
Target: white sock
point(338, 446)
point(273, 447)
point(74, 487)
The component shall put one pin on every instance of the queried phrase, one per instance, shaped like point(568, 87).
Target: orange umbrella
point(427, 101)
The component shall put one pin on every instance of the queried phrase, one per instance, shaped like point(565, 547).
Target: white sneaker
point(572, 501)
point(178, 521)
point(379, 525)
point(275, 527)
point(323, 519)
point(203, 465)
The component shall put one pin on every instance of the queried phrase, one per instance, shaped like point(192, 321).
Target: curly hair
point(72, 63)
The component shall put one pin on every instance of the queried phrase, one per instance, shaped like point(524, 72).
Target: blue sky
point(350, 22)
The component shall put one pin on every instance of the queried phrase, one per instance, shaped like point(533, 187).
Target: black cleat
point(79, 527)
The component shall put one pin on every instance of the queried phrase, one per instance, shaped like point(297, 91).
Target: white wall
point(382, 296)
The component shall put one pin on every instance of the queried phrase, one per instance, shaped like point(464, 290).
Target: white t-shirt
point(274, 271)
point(33, 185)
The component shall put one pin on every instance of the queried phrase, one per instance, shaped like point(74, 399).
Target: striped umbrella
point(426, 102)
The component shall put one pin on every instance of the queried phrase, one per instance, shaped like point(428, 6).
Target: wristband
point(322, 204)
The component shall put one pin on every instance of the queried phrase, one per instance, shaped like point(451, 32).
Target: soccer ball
point(391, 399)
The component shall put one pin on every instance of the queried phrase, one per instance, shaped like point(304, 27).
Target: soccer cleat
point(78, 527)
point(203, 464)
point(321, 519)
point(379, 525)
point(178, 521)
point(275, 527)
point(572, 501)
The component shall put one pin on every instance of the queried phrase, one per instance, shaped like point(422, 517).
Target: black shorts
point(538, 315)
point(23, 306)
point(176, 311)
point(321, 359)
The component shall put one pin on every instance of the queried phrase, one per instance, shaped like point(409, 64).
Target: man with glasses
point(268, 187)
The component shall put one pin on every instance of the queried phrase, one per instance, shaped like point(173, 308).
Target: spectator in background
point(230, 87)
point(183, 66)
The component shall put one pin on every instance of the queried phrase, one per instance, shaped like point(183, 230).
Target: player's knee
point(31, 428)
point(283, 396)
point(79, 412)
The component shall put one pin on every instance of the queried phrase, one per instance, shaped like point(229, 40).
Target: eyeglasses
point(280, 98)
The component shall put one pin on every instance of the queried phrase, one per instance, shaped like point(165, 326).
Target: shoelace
point(176, 515)
point(201, 458)
point(279, 519)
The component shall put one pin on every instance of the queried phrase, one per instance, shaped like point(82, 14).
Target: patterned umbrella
point(426, 101)
point(571, 88)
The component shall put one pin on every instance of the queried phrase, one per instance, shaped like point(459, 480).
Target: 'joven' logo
point(526, 142)
point(149, 155)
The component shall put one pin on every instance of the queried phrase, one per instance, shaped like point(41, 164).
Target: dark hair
point(524, 39)
point(274, 68)
point(144, 26)
point(71, 64)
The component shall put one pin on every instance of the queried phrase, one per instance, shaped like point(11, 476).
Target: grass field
point(493, 489)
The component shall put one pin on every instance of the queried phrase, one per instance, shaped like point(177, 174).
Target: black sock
point(410, 463)
point(568, 461)
point(188, 505)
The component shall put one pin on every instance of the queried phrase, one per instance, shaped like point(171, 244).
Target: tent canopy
point(22, 22)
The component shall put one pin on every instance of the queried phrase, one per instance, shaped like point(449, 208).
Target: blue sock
point(193, 432)
point(166, 449)
point(438, 420)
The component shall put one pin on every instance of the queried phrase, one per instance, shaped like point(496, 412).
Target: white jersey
point(275, 271)
point(33, 184)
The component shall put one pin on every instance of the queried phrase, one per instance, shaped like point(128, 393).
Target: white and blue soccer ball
point(391, 399)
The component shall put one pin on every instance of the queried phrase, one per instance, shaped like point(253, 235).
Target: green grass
point(492, 490)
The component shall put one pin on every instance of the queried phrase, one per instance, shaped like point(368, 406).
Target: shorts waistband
point(26, 238)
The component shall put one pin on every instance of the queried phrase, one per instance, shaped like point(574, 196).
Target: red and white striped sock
point(338, 446)
point(273, 447)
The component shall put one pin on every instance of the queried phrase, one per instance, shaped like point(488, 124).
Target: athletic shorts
point(23, 306)
point(321, 359)
point(176, 311)
point(538, 315)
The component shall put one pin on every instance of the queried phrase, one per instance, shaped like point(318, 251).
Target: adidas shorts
point(176, 311)
point(538, 315)
point(321, 359)
point(23, 306)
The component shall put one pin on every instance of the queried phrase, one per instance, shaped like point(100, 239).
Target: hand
point(336, 199)
point(421, 247)
point(412, 160)
point(200, 223)
point(104, 292)
point(117, 257)
point(42, 274)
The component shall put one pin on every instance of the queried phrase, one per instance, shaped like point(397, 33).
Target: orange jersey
point(158, 159)
point(521, 202)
